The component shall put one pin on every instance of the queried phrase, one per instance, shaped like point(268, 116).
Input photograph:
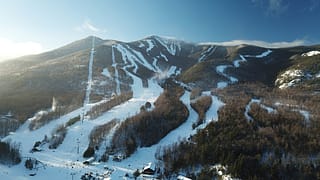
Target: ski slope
point(237, 62)
point(89, 83)
point(220, 70)
point(262, 55)
point(207, 53)
point(116, 73)
point(66, 161)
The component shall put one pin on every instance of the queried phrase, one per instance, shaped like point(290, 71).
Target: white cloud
point(87, 26)
point(260, 43)
point(10, 49)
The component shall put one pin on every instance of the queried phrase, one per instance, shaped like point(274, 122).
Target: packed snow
point(311, 53)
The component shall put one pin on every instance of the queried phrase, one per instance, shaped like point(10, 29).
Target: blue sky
point(43, 24)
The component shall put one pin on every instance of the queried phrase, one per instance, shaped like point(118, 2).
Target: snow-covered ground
point(311, 53)
point(150, 45)
point(207, 53)
point(220, 70)
point(106, 73)
point(264, 54)
point(296, 108)
point(89, 83)
point(59, 162)
point(289, 78)
point(258, 101)
point(67, 158)
point(237, 62)
point(171, 45)
point(66, 161)
point(116, 73)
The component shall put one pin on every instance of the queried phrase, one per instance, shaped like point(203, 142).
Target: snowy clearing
point(311, 53)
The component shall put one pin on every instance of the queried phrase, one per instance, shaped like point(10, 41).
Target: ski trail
point(155, 64)
point(116, 73)
point(220, 70)
point(164, 57)
point(207, 53)
point(145, 155)
point(171, 45)
point(237, 62)
point(150, 44)
point(264, 54)
point(89, 84)
point(138, 57)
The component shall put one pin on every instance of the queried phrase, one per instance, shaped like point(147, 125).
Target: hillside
point(185, 107)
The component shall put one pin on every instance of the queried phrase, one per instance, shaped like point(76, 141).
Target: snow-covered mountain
point(63, 97)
